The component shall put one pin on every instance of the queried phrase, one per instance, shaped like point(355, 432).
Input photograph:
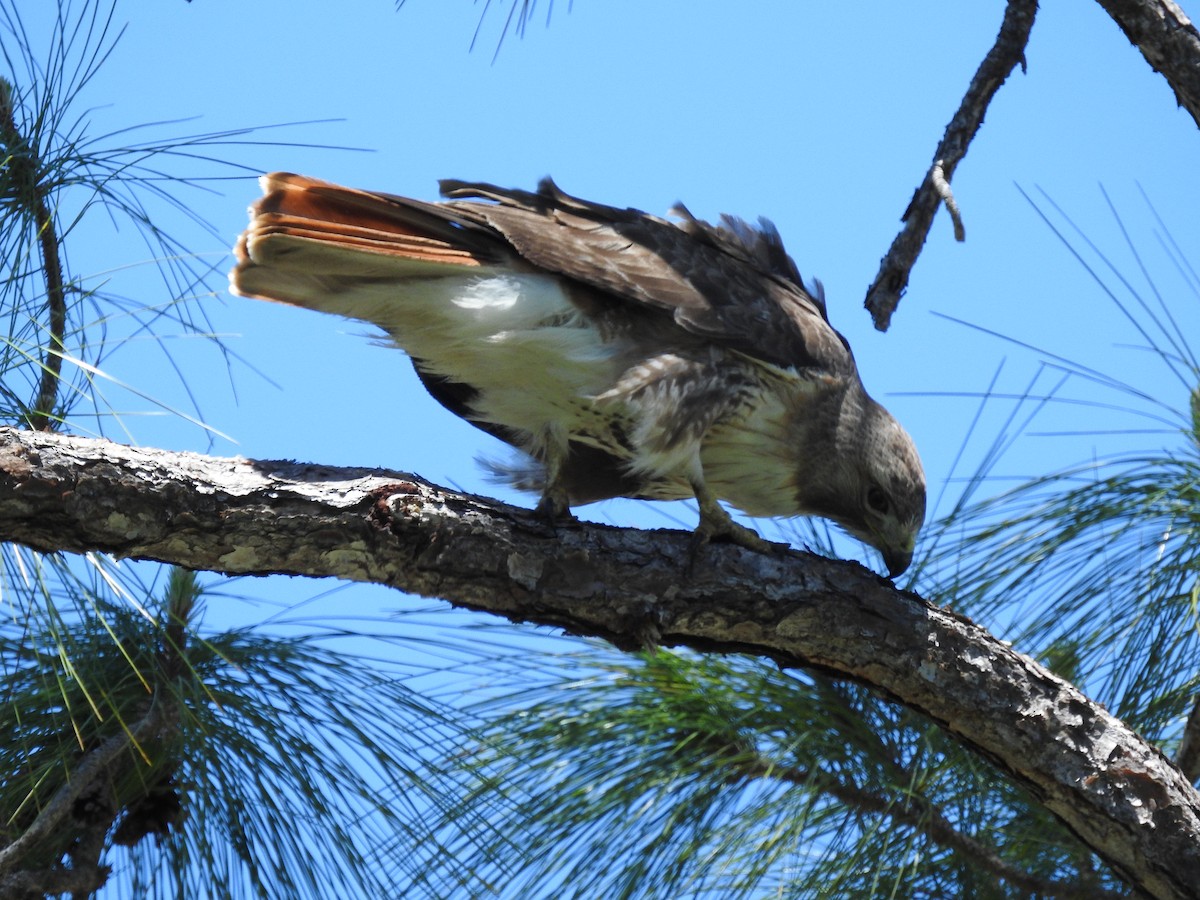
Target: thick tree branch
point(1169, 42)
point(1120, 795)
point(883, 296)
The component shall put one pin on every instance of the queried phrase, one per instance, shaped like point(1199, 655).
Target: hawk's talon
point(717, 525)
point(708, 532)
point(738, 534)
point(554, 510)
point(553, 507)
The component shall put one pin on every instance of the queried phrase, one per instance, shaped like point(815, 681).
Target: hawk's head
point(875, 486)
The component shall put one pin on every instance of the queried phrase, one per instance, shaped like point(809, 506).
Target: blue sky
point(821, 119)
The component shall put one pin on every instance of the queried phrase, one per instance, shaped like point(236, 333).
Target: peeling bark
point(1121, 796)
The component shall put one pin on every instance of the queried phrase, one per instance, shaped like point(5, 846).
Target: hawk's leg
point(716, 523)
point(555, 505)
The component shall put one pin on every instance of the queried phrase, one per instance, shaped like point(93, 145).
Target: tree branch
point(52, 882)
point(87, 875)
point(917, 812)
point(1121, 796)
point(1169, 42)
point(910, 806)
point(883, 296)
point(24, 169)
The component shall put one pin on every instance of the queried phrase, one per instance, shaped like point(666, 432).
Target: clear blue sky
point(821, 119)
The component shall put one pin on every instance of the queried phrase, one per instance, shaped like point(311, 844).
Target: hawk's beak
point(897, 561)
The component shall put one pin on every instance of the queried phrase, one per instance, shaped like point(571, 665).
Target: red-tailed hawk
point(624, 354)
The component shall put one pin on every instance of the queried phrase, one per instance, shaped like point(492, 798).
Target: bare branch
point(1119, 794)
point(1169, 42)
point(883, 296)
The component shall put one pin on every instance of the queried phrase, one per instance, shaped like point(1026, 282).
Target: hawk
point(625, 355)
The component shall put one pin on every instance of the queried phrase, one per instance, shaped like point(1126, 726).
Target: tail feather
point(303, 230)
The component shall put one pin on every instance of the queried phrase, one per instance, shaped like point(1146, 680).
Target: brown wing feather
point(740, 290)
point(733, 285)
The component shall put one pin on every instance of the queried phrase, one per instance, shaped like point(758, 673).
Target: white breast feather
point(746, 460)
point(545, 364)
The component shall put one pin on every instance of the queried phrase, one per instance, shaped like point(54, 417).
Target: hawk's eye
point(877, 499)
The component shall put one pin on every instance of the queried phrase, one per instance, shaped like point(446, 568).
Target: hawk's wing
point(733, 284)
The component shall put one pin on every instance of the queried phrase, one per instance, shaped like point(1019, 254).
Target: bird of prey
point(624, 354)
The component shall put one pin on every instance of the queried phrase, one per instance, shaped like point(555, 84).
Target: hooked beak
point(897, 561)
